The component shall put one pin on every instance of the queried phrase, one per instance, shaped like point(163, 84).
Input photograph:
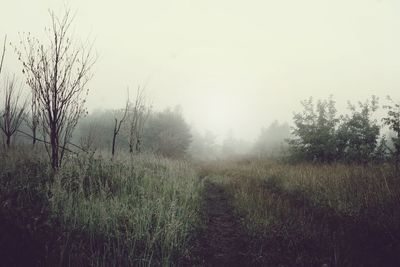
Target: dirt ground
point(222, 241)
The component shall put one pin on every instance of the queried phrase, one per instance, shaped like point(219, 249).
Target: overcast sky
point(231, 64)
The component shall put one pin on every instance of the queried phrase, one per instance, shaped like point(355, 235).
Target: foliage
point(167, 134)
point(321, 136)
point(272, 140)
point(315, 131)
point(203, 146)
point(392, 120)
point(360, 132)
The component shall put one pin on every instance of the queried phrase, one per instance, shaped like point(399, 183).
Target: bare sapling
point(12, 114)
point(57, 72)
point(118, 121)
point(138, 115)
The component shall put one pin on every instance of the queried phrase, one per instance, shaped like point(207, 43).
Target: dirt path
point(222, 242)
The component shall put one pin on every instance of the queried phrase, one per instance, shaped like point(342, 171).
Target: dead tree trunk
point(138, 117)
point(8, 141)
point(34, 137)
point(3, 53)
point(115, 133)
point(54, 147)
point(117, 126)
point(33, 121)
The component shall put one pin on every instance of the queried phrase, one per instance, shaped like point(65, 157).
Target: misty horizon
point(232, 67)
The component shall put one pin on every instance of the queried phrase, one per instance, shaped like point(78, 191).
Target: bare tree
point(137, 118)
point(118, 123)
point(3, 53)
point(32, 119)
point(2, 60)
point(13, 112)
point(88, 142)
point(57, 72)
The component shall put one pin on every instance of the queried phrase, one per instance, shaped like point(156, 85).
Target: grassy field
point(136, 211)
point(310, 215)
point(151, 211)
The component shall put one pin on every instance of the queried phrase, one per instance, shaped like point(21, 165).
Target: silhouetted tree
point(88, 141)
point(118, 121)
point(360, 131)
point(315, 131)
point(381, 153)
point(57, 73)
point(3, 54)
point(229, 144)
point(168, 134)
point(138, 114)
point(272, 140)
point(203, 146)
point(12, 114)
point(32, 119)
point(392, 120)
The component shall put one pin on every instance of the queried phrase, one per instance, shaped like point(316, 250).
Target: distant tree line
point(271, 141)
point(162, 132)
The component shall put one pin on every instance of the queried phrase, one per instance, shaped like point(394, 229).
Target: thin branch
point(4, 52)
point(47, 142)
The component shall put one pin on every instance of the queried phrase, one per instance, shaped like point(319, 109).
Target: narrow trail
point(223, 242)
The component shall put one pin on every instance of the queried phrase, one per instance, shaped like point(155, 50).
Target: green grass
point(140, 210)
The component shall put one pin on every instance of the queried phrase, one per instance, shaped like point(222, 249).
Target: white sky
point(230, 64)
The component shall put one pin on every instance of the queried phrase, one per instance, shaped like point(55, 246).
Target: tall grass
point(308, 215)
point(134, 211)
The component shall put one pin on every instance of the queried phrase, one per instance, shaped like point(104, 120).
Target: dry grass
point(308, 215)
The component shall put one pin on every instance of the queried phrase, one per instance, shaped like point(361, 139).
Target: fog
point(233, 66)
